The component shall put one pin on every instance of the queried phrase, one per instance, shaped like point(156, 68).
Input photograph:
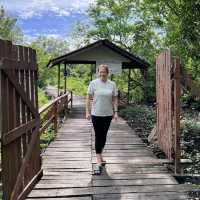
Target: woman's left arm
point(115, 107)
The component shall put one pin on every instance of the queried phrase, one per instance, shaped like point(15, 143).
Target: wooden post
point(58, 94)
point(177, 94)
point(66, 106)
point(71, 99)
point(144, 74)
point(56, 117)
point(91, 72)
point(111, 77)
point(129, 77)
point(65, 77)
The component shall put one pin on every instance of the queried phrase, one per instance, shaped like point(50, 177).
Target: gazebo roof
point(101, 49)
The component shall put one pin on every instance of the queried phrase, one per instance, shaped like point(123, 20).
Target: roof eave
point(140, 62)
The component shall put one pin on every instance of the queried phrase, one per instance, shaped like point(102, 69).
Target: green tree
point(48, 48)
point(128, 25)
point(179, 23)
point(148, 27)
point(50, 45)
point(8, 28)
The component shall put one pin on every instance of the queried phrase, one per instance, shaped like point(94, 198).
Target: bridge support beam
point(58, 88)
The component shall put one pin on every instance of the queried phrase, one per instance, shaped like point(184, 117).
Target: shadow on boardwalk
point(132, 171)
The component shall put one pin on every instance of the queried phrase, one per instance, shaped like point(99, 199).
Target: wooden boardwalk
point(132, 171)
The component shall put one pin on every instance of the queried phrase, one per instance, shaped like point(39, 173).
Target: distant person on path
point(104, 107)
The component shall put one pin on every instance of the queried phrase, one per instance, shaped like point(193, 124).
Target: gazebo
point(100, 52)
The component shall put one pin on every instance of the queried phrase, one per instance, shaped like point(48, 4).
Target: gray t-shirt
point(102, 93)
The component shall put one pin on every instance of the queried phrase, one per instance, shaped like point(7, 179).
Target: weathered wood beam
point(65, 78)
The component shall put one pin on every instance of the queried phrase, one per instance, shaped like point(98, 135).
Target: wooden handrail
point(45, 107)
point(51, 118)
point(49, 112)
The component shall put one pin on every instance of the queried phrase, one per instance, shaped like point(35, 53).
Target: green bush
point(190, 129)
point(190, 140)
point(77, 85)
point(190, 101)
point(47, 137)
point(140, 116)
point(42, 98)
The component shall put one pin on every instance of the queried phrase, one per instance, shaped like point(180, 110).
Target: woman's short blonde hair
point(105, 67)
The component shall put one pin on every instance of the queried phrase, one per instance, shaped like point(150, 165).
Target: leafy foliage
point(8, 28)
point(140, 116)
point(190, 140)
point(47, 48)
point(179, 23)
point(42, 99)
point(146, 28)
point(52, 46)
point(125, 24)
point(47, 137)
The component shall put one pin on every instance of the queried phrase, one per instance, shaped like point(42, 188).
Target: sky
point(53, 18)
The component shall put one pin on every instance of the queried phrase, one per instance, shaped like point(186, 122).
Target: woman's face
point(102, 73)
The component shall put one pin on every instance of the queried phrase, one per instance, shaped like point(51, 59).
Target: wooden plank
point(12, 148)
point(66, 198)
point(177, 95)
point(64, 192)
point(6, 175)
point(74, 184)
point(137, 170)
point(23, 111)
point(67, 174)
point(19, 131)
point(67, 192)
point(35, 157)
point(140, 189)
point(73, 181)
point(24, 164)
point(30, 185)
point(12, 64)
point(68, 170)
point(102, 183)
point(70, 177)
point(67, 160)
point(133, 160)
point(13, 120)
point(27, 169)
point(142, 196)
point(128, 155)
point(114, 176)
point(38, 151)
point(131, 171)
point(21, 92)
point(137, 182)
point(66, 166)
point(17, 116)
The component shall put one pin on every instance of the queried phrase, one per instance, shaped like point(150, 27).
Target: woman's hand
point(88, 116)
point(115, 116)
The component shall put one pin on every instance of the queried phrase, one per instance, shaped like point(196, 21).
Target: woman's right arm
point(88, 107)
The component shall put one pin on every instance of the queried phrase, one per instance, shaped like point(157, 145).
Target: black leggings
point(101, 126)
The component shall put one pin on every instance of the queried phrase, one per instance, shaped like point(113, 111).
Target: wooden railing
point(49, 113)
point(19, 120)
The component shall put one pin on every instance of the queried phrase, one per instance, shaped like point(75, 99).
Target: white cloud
point(30, 38)
point(28, 9)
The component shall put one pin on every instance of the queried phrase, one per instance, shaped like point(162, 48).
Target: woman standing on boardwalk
point(104, 107)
